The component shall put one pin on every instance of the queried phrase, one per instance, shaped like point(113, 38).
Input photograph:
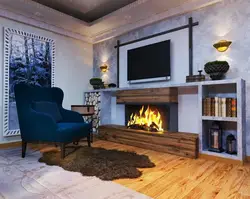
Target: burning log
point(135, 126)
point(147, 120)
point(139, 127)
point(154, 127)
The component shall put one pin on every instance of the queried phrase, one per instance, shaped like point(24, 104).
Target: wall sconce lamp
point(222, 45)
point(104, 68)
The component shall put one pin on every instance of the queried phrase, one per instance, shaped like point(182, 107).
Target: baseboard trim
point(221, 159)
point(247, 159)
point(10, 144)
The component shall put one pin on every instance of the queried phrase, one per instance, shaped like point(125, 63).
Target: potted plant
point(96, 82)
point(216, 69)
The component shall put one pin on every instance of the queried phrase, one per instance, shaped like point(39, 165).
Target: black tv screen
point(151, 61)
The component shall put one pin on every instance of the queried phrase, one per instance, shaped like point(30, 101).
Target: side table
point(85, 111)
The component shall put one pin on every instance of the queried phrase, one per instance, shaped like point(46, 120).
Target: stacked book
point(220, 107)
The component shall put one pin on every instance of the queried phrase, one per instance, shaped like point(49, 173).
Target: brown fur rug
point(99, 162)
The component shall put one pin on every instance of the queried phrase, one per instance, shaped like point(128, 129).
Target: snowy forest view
point(30, 62)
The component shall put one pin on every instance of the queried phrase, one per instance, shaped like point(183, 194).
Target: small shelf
point(226, 119)
point(222, 155)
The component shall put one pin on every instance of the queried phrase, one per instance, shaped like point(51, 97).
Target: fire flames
point(148, 119)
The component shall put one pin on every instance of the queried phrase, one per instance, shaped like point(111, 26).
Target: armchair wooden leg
point(89, 139)
point(92, 139)
point(24, 146)
point(62, 150)
point(91, 132)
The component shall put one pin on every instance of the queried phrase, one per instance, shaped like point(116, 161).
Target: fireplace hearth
point(182, 144)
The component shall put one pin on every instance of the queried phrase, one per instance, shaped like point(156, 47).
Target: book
point(234, 107)
point(223, 107)
point(220, 107)
point(208, 106)
point(216, 106)
point(204, 107)
point(229, 107)
point(212, 107)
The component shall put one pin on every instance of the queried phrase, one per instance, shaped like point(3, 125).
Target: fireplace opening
point(151, 117)
point(148, 118)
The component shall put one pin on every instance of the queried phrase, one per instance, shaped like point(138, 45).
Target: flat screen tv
point(149, 63)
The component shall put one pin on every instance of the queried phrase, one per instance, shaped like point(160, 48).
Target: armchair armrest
point(71, 116)
point(39, 126)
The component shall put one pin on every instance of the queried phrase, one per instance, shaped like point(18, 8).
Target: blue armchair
point(39, 126)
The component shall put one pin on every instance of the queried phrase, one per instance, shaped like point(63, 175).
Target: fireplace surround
point(169, 140)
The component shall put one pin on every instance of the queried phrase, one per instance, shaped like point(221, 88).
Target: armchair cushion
point(67, 131)
point(49, 108)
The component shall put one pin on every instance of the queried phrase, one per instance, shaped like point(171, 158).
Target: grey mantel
point(190, 84)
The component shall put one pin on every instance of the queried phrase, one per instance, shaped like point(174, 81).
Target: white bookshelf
point(222, 155)
point(226, 119)
point(234, 125)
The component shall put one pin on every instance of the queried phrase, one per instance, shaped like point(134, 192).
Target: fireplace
point(152, 117)
point(149, 119)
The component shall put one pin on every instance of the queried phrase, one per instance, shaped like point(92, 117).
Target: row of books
point(220, 107)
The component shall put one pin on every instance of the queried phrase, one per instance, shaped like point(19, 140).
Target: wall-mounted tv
point(149, 63)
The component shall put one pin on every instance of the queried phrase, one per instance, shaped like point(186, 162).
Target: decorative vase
point(216, 69)
point(112, 85)
point(97, 83)
point(96, 86)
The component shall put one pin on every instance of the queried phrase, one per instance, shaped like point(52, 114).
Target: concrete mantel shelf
point(189, 84)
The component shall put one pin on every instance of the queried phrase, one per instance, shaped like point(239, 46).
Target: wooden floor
point(178, 177)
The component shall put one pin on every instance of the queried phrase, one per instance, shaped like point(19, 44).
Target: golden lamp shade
point(222, 45)
point(104, 68)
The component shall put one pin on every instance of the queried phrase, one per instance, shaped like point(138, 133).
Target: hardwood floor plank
point(244, 191)
point(170, 177)
point(234, 182)
point(211, 185)
point(152, 174)
point(189, 178)
point(10, 145)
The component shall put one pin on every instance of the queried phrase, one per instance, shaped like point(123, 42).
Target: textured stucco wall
point(227, 20)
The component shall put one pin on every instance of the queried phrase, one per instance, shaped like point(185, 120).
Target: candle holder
point(215, 138)
point(196, 78)
point(231, 144)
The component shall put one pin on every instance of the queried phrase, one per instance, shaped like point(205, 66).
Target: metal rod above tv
point(190, 26)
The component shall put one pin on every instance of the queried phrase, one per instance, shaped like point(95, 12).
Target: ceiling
point(86, 10)
point(96, 20)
